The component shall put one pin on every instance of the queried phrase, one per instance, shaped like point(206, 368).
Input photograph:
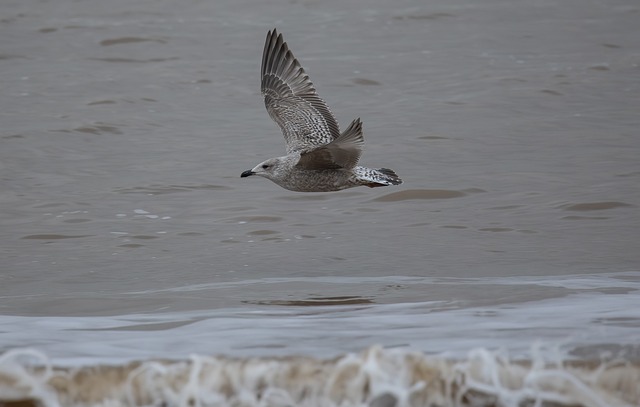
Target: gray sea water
point(127, 233)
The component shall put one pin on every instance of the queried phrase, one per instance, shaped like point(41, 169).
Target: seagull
point(319, 157)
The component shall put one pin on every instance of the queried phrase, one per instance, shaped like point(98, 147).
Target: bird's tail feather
point(380, 177)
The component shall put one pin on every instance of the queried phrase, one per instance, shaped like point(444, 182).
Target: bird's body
point(319, 158)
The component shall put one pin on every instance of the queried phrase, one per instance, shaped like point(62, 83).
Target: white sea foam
point(375, 377)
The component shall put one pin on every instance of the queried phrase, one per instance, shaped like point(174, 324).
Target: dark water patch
point(144, 237)
point(11, 56)
point(101, 102)
point(274, 239)
point(98, 128)
point(129, 40)
point(602, 68)
point(13, 136)
point(454, 227)
point(574, 217)
point(629, 174)
point(131, 245)
point(487, 313)
point(496, 230)
point(159, 189)
point(53, 236)
point(552, 92)
point(502, 208)
point(411, 194)
point(364, 81)
point(611, 45)
point(76, 220)
point(80, 27)
point(156, 326)
point(595, 206)
point(474, 191)
point(135, 61)
point(203, 81)
point(316, 302)
point(47, 30)
point(432, 138)
point(428, 16)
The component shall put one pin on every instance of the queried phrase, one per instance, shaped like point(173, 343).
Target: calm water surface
point(128, 233)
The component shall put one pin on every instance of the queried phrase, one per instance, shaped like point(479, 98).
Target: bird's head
point(270, 169)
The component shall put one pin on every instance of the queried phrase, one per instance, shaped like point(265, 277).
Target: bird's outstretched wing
point(343, 152)
point(291, 99)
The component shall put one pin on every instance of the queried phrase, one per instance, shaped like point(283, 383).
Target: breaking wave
point(376, 377)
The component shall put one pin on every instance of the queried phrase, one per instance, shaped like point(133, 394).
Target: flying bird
point(319, 157)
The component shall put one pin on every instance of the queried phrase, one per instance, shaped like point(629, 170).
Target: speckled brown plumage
point(319, 158)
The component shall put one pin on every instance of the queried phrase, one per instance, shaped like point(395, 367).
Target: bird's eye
point(265, 166)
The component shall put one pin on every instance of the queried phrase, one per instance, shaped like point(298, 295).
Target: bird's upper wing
point(291, 99)
point(343, 152)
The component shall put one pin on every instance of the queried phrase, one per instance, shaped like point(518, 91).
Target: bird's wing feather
point(291, 99)
point(343, 152)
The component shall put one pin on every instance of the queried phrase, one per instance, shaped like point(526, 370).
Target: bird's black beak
point(247, 173)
